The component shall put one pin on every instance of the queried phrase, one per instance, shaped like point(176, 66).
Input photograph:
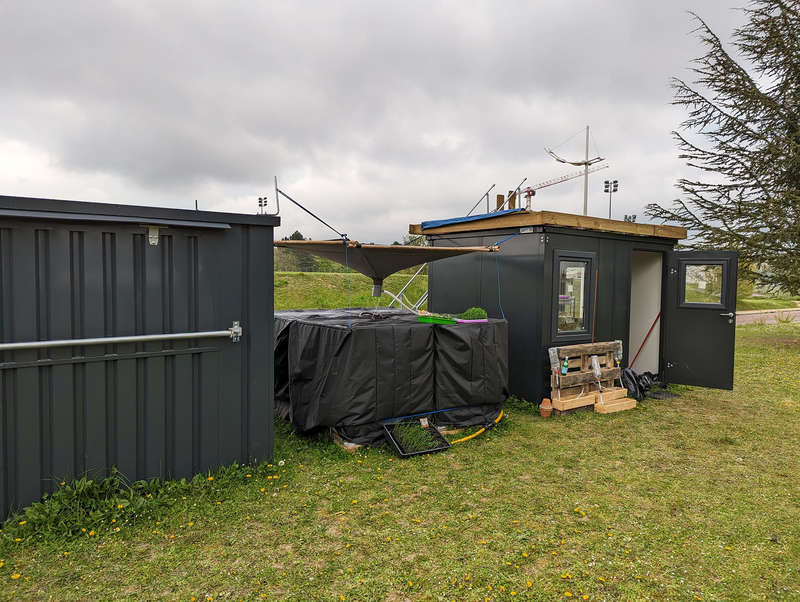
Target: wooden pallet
point(579, 387)
point(617, 405)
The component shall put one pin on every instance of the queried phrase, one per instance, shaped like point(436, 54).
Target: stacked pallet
point(580, 387)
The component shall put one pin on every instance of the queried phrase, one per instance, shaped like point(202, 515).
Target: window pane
point(572, 296)
point(703, 284)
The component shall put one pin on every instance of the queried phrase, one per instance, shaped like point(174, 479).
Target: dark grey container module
point(165, 408)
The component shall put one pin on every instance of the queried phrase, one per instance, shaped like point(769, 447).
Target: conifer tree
point(742, 134)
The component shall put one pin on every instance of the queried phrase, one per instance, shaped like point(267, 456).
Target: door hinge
point(670, 365)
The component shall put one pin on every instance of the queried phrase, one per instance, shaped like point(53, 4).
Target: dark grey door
point(700, 318)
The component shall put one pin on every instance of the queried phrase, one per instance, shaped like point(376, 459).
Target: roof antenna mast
point(585, 164)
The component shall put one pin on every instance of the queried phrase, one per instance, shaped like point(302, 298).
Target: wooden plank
point(554, 218)
point(580, 378)
point(500, 201)
point(611, 395)
point(569, 403)
point(616, 406)
point(588, 349)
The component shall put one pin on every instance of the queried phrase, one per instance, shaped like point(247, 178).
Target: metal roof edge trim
point(140, 213)
point(93, 217)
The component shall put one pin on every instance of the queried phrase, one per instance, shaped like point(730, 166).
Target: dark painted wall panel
point(525, 266)
point(160, 409)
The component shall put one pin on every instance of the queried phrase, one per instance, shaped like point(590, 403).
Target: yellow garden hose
point(478, 432)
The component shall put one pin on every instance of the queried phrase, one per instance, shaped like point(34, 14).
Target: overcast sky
point(374, 114)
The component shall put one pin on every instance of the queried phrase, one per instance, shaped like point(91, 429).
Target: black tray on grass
point(437, 441)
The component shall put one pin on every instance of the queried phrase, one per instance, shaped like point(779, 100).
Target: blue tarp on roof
point(435, 223)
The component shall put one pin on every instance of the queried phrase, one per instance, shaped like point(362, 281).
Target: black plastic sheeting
point(351, 369)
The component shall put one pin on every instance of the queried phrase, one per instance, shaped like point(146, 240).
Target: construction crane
point(531, 190)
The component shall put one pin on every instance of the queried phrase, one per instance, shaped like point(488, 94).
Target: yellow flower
point(210, 478)
point(568, 594)
point(63, 483)
point(410, 583)
point(355, 501)
point(190, 523)
point(263, 490)
point(248, 475)
point(585, 596)
point(83, 529)
point(22, 522)
point(726, 547)
point(341, 597)
point(483, 542)
point(116, 529)
point(113, 520)
point(16, 576)
point(601, 579)
point(119, 506)
point(524, 554)
point(528, 584)
point(91, 533)
point(17, 539)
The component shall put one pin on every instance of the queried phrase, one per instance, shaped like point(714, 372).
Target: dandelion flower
point(17, 539)
point(355, 501)
point(726, 547)
point(410, 584)
point(119, 506)
point(568, 594)
point(16, 576)
point(63, 483)
point(524, 554)
point(281, 463)
point(248, 475)
point(528, 584)
point(210, 478)
point(585, 596)
point(263, 490)
point(22, 522)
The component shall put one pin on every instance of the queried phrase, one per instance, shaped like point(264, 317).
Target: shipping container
point(131, 337)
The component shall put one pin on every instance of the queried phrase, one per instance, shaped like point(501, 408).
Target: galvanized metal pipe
point(233, 333)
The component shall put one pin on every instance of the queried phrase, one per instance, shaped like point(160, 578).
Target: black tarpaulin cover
point(376, 261)
point(329, 374)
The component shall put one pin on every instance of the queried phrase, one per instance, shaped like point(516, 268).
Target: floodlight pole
point(586, 176)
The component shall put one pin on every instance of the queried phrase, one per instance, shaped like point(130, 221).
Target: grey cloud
point(375, 111)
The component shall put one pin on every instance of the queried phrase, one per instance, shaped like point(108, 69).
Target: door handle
point(729, 315)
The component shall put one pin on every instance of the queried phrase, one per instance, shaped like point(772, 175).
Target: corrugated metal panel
point(165, 408)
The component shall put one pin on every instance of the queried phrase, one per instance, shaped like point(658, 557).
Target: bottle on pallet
point(565, 366)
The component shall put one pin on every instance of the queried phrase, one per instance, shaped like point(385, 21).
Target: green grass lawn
point(315, 290)
point(748, 303)
point(691, 498)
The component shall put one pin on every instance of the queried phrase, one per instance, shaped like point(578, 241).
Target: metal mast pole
point(586, 177)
